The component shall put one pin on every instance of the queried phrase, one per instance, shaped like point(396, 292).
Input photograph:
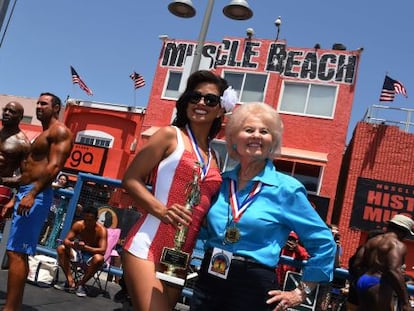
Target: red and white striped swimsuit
point(149, 235)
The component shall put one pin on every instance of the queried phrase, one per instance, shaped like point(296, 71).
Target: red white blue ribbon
point(238, 208)
point(204, 167)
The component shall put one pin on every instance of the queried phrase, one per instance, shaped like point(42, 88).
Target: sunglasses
point(210, 100)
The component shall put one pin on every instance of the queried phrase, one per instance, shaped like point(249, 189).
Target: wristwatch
point(303, 287)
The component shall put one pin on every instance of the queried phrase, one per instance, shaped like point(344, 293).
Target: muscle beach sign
point(307, 64)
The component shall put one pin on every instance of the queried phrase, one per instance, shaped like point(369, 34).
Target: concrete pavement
point(37, 298)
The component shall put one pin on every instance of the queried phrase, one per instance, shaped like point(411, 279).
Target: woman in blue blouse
point(250, 220)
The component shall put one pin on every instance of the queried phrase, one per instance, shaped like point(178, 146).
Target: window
point(94, 138)
point(308, 174)
point(249, 86)
point(95, 141)
point(173, 85)
point(27, 119)
point(308, 99)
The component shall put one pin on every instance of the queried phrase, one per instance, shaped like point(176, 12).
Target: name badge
point(220, 263)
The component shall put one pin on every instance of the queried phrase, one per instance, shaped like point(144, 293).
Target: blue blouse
point(280, 207)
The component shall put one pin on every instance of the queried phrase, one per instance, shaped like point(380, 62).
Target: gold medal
point(232, 234)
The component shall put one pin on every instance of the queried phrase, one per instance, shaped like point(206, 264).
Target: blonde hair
point(268, 115)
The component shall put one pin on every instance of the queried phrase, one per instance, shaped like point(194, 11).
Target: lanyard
point(204, 167)
point(238, 208)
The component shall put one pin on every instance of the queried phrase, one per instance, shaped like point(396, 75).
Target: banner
point(320, 204)
point(377, 201)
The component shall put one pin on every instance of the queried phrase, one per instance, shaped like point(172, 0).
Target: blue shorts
point(25, 230)
point(81, 257)
point(366, 281)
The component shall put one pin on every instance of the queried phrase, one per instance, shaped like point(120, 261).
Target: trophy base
point(174, 259)
point(175, 263)
point(170, 278)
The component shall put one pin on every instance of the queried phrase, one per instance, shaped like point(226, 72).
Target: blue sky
point(106, 40)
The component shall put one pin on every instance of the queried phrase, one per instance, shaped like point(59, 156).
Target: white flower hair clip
point(229, 99)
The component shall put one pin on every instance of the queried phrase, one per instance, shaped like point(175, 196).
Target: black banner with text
point(377, 201)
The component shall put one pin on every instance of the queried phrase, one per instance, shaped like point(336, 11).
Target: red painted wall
point(122, 125)
point(378, 152)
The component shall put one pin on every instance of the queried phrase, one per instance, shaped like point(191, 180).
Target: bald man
point(14, 147)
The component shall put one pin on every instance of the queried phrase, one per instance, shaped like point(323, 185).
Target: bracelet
point(305, 288)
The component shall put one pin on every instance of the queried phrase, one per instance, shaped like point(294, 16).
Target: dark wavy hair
point(201, 76)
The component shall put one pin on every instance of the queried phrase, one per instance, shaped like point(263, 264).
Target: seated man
point(86, 240)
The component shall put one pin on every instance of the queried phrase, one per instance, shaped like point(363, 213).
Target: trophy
point(175, 259)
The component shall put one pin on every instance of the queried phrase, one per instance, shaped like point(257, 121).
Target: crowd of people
point(248, 216)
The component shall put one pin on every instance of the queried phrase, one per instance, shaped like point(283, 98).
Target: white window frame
point(173, 94)
point(241, 91)
point(95, 135)
point(304, 112)
point(292, 173)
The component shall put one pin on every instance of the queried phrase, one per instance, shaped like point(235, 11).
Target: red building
point(106, 137)
point(313, 89)
point(376, 182)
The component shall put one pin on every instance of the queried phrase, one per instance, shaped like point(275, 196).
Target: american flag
point(138, 80)
point(77, 79)
point(390, 88)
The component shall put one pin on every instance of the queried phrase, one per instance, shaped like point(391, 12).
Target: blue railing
point(188, 292)
point(71, 208)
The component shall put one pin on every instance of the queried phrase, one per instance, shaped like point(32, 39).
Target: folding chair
point(112, 241)
point(79, 267)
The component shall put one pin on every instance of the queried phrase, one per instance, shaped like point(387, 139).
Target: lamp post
point(237, 9)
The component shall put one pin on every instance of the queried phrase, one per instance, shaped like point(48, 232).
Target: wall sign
point(337, 67)
point(86, 158)
point(377, 201)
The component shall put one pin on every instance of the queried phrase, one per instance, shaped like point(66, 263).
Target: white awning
point(304, 154)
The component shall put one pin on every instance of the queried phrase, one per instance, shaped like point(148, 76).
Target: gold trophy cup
point(175, 259)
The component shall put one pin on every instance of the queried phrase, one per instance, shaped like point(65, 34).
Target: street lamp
point(237, 9)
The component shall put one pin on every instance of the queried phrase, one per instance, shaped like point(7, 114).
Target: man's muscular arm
point(12, 182)
point(393, 273)
point(69, 240)
point(60, 147)
point(22, 150)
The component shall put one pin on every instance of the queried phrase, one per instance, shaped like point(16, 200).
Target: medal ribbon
point(204, 167)
point(238, 209)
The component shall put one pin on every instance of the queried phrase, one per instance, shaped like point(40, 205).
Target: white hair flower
point(229, 99)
